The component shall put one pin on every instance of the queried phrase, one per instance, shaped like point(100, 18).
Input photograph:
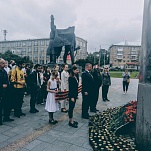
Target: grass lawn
point(118, 74)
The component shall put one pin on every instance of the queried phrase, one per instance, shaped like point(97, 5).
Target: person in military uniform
point(97, 84)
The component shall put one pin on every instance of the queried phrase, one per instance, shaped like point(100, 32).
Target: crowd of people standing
point(43, 82)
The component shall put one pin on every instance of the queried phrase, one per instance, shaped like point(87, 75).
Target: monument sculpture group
point(60, 38)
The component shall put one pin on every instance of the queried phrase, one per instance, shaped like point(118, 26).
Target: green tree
point(8, 55)
point(90, 58)
point(26, 59)
point(82, 62)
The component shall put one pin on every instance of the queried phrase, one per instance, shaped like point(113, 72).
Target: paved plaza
point(34, 133)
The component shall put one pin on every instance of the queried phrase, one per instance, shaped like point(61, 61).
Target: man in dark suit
point(87, 90)
point(35, 85)
point(97, 84)
point(3, 86)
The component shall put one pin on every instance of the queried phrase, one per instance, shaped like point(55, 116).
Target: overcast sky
point(100, 22)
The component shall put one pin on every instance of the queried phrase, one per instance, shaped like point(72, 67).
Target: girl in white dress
point(51, 104)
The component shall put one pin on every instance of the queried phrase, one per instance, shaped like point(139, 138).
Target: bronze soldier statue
point(60, 38)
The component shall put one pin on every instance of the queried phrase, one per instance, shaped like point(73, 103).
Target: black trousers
point(19, 93)
point(1, 105)
point(8, 101)
point(45, 92)
point(85, 104)
point(71, 107)
point(33, 99)
point(42, 94)
point(105, 89)
point(12, 99)
point(1, 112)
point(125, 85)
point(94, 100)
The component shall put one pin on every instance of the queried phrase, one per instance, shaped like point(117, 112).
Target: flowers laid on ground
point(105, 129)
point(130, 112)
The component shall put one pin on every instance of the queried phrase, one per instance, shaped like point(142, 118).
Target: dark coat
point(97, 77)
point(73, 87)
point(46, 78)
point(33, 80)
point(87, 82)
point(3, 80)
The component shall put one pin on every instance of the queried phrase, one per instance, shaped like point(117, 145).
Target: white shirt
point(24, 70)
point(7, 69)
point(41, 78)
point(64, 80)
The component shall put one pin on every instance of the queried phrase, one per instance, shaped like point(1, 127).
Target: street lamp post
point(104, 58)
point(94, 55)
point(94, 58)
point(98, 55)
point(99, 59)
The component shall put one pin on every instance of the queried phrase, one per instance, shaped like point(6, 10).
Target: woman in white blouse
point(64, 85)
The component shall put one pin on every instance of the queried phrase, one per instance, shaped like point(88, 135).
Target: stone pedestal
point(143, 119)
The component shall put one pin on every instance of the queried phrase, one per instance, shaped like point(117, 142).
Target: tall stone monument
point(143, 119)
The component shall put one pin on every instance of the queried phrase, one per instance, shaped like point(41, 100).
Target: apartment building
point(36, 49)
point(125, 55)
